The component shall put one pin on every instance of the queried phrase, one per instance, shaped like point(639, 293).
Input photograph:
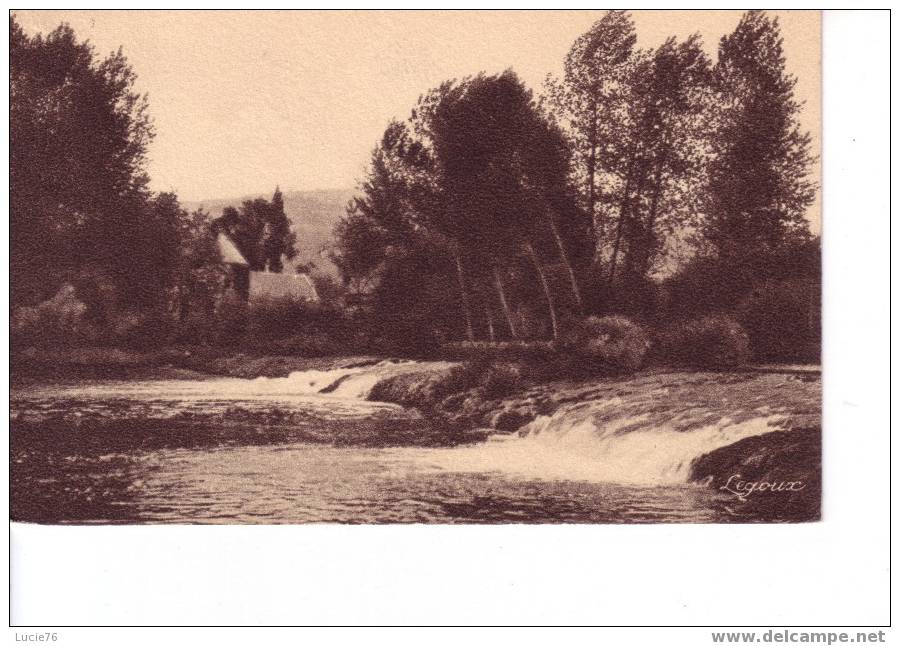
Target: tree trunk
point(592, 174)
point(651, 217)
point(619, 230)
point(490, 322)
point(598, 223)
point(467, 311)
point(506, 310)
point(636, 236)
point(184, 303)
point(576, 292)
point(625, 211)
point(623, 207)
point(551, 305)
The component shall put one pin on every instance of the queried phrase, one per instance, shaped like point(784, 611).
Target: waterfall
point(346, 383)
point(643, 435)
point(640, 437)
point(610, 441)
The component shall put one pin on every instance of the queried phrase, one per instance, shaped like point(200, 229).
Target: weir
point(348, 383)
point(311, 447)
point(647, 437)
point(604, 442)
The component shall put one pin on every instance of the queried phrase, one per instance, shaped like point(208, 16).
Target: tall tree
point(759, 186)
point(382, 220)
point(261, 230)
point(78, 138)
point(635, 121)
point(502, 176)
point(589, 100)
point(279, 240)
point(479, 177)
point(388, 244)
point(200, 277)
point(667, 135)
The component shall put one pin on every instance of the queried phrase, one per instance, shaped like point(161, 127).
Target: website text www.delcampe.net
point(797, 637)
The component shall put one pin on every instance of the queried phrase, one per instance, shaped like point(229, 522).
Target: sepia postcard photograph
point(514, 316)
point(574, 282)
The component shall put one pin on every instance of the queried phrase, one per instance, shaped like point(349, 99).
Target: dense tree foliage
point(637, 120)
point(591, 100)
point(651, 182)
point(759, 187)
point(477, 179)
point(262, 232)
point(78, 189)
point(82, 218)
point(587, 200)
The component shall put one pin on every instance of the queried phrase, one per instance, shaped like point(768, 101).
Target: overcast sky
point(243, 101)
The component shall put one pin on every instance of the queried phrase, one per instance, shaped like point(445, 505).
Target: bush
point(716, 341)
point(501, 379)
point(281, 318)
point(530, 324)
point(59, 320)
point(329, 289)
point(198, 328)
point(707, 285)
point(701, 287)
point(231, 320)
point(637, 297)
point(609, 343)
point(277, 318)
point(314, 344)
point(287, 326)
point(97, 290)
point(783, 320)
point(143, 329)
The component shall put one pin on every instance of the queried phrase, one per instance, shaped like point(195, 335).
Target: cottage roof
point(229, 251)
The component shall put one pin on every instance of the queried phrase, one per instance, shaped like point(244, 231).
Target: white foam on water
point(354, 383)
point(629, 439)
point(585, 442)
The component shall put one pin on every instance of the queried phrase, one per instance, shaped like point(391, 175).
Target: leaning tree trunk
point(623, 208)
point(490, 322)
point(467, 311)
point(501, 292)
point(573, 281)
point(551, 305)
point(592, 173)
point(649, 242)
point(598, 223)
point(631, 221)
point(625, 212)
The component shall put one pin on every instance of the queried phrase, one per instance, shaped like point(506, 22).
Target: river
point(311, 448)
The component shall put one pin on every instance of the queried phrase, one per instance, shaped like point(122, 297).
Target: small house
point(255, 286)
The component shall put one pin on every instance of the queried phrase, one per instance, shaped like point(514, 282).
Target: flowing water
point(311, 448)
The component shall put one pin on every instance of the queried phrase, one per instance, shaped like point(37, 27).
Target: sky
point(244, 101)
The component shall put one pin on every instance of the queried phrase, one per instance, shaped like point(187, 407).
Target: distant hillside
point(313, 215)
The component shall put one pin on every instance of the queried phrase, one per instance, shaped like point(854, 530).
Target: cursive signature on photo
point(743, 489)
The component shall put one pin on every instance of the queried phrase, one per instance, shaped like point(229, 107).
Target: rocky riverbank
point(793, 394)
point(777, 476)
